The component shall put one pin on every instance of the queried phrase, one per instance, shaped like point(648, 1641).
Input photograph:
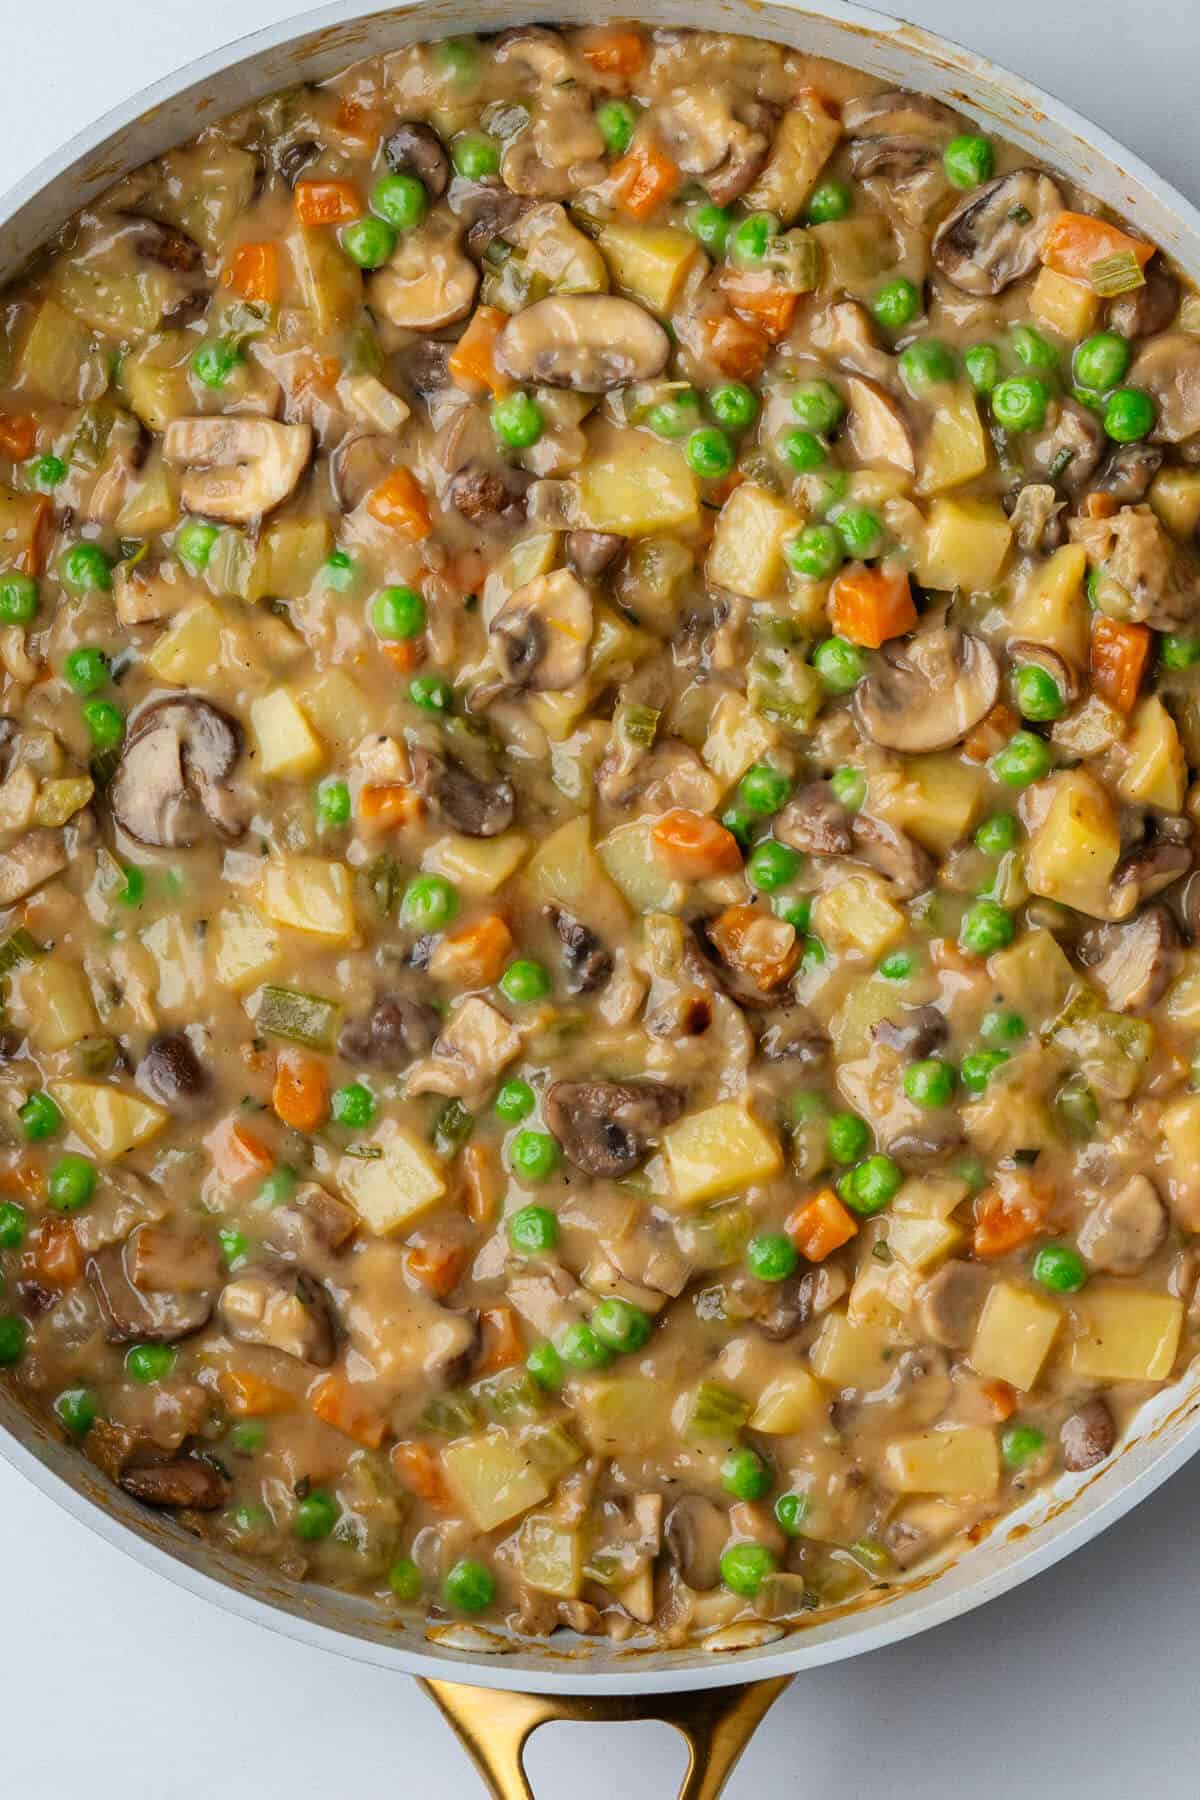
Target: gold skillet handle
point(717, 1724)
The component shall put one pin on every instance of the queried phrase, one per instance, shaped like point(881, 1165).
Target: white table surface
point(114, 1683)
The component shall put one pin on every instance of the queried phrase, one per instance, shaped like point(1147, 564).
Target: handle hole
point(598, 1762)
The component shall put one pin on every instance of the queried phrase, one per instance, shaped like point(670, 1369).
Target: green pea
point(46, 472)
point(712, 225)
point(149, 1363)
point(849, 788)
point(804, 450)
point(771, 1256)
point(982, 363)
point(278, 1187)
point(899, 966)
point(986, 927)
point(746, 1476)
point(517, 419)
point(1025, 758)
point(1129, 414)
point(1032, 349)
point(458, 60)
point(969, 160)
point(616, 121)
point(676, 416)
point(581, 1349)
point(475, 155)
point(709, 453)
point(40, 1118)
point(794, 911)
point(13, 1333)
point(772, 866)
point(18, 598)
point(546, 1366)
point(214, 362)
point(14, 1224)
point(71, 1183)
point(75, 1410)
point(533, 1230)
point(1102, 361)
point(1037, 694)
point(623, 1327)
point(848, 1136)
point(398, 613)
point(791, 1510)
point(234, 1244)
point(533, 1155)
point(929, 1083)
point(744, 1568)
point(400, 201)
point(751, 239)
point(1076, 1106)
point(430, 903)
point(1020, 403)
point(873, 1185)
point(860, 530)
point(1020, 1444)
point(733, 405)
point(763, 790)
point(105, 724)
point(525, 981)
point(814, 954)
point(432, 693)
point(352, 1105)
point(998, 834)
point(897, 304)
point(840, 664)
point(404, 1578)
point(1177, 652)
point(515, 1101)
point(1003, 1027)
point(315, 1516)
point(194, 544)
point(740, 821)
point(829, 200)
point(248, 1437)
point(333, 804)
point(84, 568)
point(86, 670)
point(1059, 1268)
point(817, 405)
point(926, 364)
point(470, 1587)
point(340, 571)
point(368, 241)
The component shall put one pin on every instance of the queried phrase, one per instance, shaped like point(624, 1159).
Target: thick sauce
point(599, 641)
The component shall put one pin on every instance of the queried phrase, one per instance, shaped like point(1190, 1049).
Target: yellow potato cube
point(859, 1355)
point(1156, 772)
point(1033, 974)
point(1126, 1336)
point(1051, 608)
point(966, 542)
point(623, 1414)
point(803, 143)
point(190, 649)
point(718, 1152)
point(737, 737)
point(287, 744)
point(651, 262)
point(644, 488)
point(306, 893)
point(935, 799)
point(1175, 496)
point(1066, 306)
point(791, 1402)
point(1181, 1002)
point(857, 915)
point(864, 1006)
point(242, 949)
point(565, 871)
point(747, 548)
point(477, 865)
point(961, 1460)
point(336, 706)
point(109, 1121)
point(956, 449)
point(493, 1479)
point(560, 712)
point(919, 1243)
point(550, 1556)
point(1073, 852)
point(56, 1001)
point(633, 864)
point(1014, 1335)
point(391, 1190)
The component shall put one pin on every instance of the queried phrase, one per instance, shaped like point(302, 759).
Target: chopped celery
point(302, 1018)
point(715, 1412)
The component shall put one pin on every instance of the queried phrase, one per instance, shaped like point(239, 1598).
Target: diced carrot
point(474, 955)
point(613, 49)
point(947, 954)
point(354, 120)
point(480, 1184)
point(400, 503)
point(1101, 506)
point(992, 733)
point(300, 1095)
point(1118, 660)
point(327, 202)
point(738, 348)
point(404, 654)
point(437, 1265)
point(333, 1401)
point(312, 371)
point(27, 1175)
point(645, 179)
point(386, 808)
point(419, 1471)
point(503, 1343)
point(18, 435)
point(472, 361)
point(1076, 242)
point(869, 606)
point(756, 944)
point(769, 305)
point(694, 846)
point(1007, 1218)
point(1001, 1397)
point(54, 1256)
point(820, 1226)
point(237, 1154)
point(248, 1396)
point(253, 272)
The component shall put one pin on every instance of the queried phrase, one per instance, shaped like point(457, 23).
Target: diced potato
point(242, 948)
point(1175, 496)
point(882, 1293)
point(559, 713)
point(153, 503)
point(124, 302)
point(746, 555)
point(565, 871)
point(626, 1414)
point(155, 381)
point(852, 1355)
point(1126, 1335)
point(634, 866)
point(960, 1460)
point(56, 1000)
point(737, 737)
point(1014, 1335)
point(287, 557)
point(306, 893)
point(966, 542)
point(855, 252)
point(389, 1191)
point(803, 143)
point(857, 915)
point(336, 706)
point(1180, 1127)
point(1156, 772)
point(864, 1006)
point(651, 262)
point(60, 800)
point(1033, 975)
point(58, 358)
point(956, 449)
point(1051, 608)
point(286, 743)
point(1066, 306)
point(477, 865)
point(188, 651)
point(1073, 852)
point(1181, 1003)
point(919, 1230)
point(109, 1121)
point(493, 1479)
point(179, 960)
point(528, 558)
point(792, 1402)
point(331, 284)
point(638, 488)
point(550, 1557)
point(718, 1152)
point(935, 799)
point(208, 187)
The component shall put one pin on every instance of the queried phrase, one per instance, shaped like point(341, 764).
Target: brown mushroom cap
point(541, 636)
point(139, 1315)
point(1135, 960)
point(1168, 369)
point(589, 342)
point(237, 469)
point(927, 691)
point(1123, 1230)
point(606, 1127)
point(993, 237)
point(415, 148)
point(476, 808)
point(169, 787)
point(897, 133)
point(184, 1481)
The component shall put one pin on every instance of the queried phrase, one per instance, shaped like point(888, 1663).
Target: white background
point(113, 1683)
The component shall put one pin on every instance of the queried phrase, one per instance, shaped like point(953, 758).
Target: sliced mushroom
point(487, 209)
point(424, 367)
point(669, 774)
point(284, 1309)
point(1088, 1436)
point(927, 691)
point(170, 785)
point(1035, 514)
point(473, 1046)
point(902, 862)
point(395, 1031)
point(185, 1481)
point(476, 808)
point(429, 282)
point(171, 1072)
point(718, 137)
point(165, 244)
point(1123, 1230)
point(877, 427)
point(1168, 369)
point(950, 1302)
point(415, 148)
point(994, 236)
point(589, 342)
point(172, 1262)
point(1149, 309)
point(1129, 471)
point(154, 588)
point(540, 638)
point(1133, 961)
point(606, 1128)
point(314, 1220)
point(696, 1533)
point(591, 553)
point(488, 496)
point(845, 333)
point(896, 134)
point(294, 158)
point(815, 821)
point(1144, 872)
point(133, 1314)
point(1069, 453)
point(916, 1031)
point(792, 1305)
point(589, 960)
point(237, 469)
point(357, 466)
point(29, 862)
